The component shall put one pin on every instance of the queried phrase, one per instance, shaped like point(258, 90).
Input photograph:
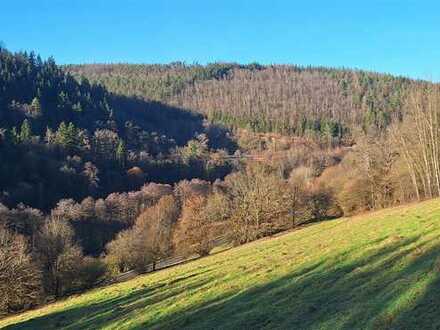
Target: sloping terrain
point(290, 100)
point(375, 271)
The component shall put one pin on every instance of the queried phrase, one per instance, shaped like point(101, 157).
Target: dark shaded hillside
point(25, 78)
point(63, 138)
point(278, 98)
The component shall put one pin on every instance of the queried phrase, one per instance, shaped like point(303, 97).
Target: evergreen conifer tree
point(25, 131)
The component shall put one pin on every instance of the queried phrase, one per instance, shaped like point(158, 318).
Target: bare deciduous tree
point(59, 257)
point(199, 224)
point(20, 279)
point(148, 241)
point(260, 204)
point(417, 138)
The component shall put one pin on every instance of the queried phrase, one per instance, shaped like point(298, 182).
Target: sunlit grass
point(378, 271)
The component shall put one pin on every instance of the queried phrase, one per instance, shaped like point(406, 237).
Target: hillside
point(375, 271)
point(66, 138)
point(283, 99)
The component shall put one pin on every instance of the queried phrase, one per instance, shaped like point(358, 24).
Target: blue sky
point(399, 37)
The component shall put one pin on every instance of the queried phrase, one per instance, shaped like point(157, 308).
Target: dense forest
point(109, 168)
point(63, 138)
point(282, 99)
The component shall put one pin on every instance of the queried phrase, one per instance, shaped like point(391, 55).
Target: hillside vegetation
point(283, 99)
point(63, 138)
point(374, 271)
point(110, 168)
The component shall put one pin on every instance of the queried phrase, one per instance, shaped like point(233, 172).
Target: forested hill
point(90, 130)
point(277, 98)
point(115, 167)
point(67, 138)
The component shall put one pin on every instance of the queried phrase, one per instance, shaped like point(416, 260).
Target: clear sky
point(395, 36)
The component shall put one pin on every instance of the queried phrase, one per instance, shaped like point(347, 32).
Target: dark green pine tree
point(36, 106)
point(67, 136)
point(61, 134)
point(25, 131)
point(72, 135)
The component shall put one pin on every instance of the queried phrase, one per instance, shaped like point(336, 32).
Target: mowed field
point(376, 271)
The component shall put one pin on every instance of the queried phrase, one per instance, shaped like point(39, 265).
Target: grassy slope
point(380, 270)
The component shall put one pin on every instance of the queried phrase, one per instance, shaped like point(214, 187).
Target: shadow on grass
point(108, 311)
point(356, 289)
point(330, 295)
point(424, 312)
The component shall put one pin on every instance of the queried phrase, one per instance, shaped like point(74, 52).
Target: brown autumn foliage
point(148, 241)
point(156, 223)
point(20, 278)
point(200, 223)
point(63, 265)
point(186, 189)
point(260, 204)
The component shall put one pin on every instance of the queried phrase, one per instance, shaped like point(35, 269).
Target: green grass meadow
point(376, 271)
